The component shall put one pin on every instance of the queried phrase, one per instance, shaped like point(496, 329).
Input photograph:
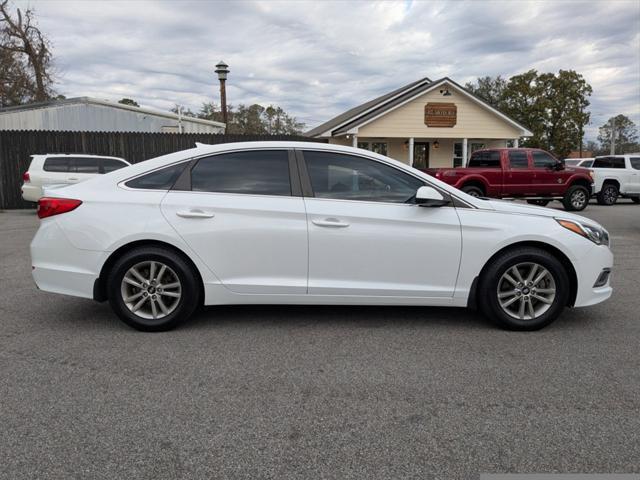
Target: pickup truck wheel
point(524, 289)
point(576, 198)
point(473, 191)
point(608, 195)
point(540, 203)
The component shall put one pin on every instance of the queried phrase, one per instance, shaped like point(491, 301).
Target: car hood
point(509, 206)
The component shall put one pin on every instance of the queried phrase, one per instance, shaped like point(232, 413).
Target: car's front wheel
point(524, 289)
point(153, 289)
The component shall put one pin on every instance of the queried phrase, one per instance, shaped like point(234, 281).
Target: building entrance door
point(421, 155)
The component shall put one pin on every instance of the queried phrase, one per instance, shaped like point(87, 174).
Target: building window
point(363, 145)
point(457, 154)
point(379, 147)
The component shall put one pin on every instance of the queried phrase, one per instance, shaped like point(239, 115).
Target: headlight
point(597, 235)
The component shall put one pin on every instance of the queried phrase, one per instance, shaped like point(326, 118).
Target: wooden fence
point(16, 147)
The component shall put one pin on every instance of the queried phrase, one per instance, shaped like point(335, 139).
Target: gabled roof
point(353, 121)
point(105, 103)
point(361, 109)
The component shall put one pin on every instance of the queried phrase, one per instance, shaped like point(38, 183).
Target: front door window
point(421, 155)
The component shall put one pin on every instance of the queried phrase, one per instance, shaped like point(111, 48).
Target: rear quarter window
point(110, 165)
point(162, 179)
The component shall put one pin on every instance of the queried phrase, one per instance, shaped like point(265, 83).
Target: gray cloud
point(317, 59)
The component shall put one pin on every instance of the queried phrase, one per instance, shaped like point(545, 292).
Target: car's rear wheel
point(576, 198)
point(540, 203)
point(608, 195)
point(473, 191)
point(524, 289)
point(152, 289)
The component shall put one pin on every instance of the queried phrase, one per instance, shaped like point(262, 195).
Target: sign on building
point(440, 114)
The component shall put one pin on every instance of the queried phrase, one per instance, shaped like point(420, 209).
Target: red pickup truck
point(527, 173)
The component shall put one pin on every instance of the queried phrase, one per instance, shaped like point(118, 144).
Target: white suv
point(64, 169)
point(616, 175)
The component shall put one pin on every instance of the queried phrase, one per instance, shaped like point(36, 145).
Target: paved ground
point(307, 392)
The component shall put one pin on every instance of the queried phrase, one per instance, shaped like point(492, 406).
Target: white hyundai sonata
point(308, 223)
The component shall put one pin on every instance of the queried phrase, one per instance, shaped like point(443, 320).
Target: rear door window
point(56, 164)
point(254, 172)
point(85, 165)
point(485, 159)
point(635, 163)
point(518, 159)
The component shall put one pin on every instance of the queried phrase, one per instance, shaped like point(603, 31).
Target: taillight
point(25, 177)
point(47, 206)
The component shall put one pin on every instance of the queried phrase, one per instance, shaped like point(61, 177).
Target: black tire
point(608, 195)
point(635, 199)
point(184, 307)
point(576, 199)
point(488, 286)
point(473, 191)
point(540, 203)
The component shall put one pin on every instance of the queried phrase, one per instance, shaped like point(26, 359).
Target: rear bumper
point(31, 193)
point(59, 267)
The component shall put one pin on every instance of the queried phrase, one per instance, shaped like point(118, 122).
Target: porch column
point(354, 141)
point(411, 152)
point(464, 152)
point(515, 142)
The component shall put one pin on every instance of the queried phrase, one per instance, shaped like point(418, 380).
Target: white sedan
point(308, 223)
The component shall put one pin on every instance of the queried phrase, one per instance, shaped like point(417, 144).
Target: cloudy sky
point(316, 59)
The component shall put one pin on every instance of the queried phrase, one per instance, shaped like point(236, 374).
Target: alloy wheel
point(578, 199)
point(526, 291)
point(151, 290)
point(610, 195)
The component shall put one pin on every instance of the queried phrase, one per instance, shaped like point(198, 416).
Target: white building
point(84, 114)
point(424, 124)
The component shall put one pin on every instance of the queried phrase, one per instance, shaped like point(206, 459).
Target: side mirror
point(559, 166)
point(430, 197)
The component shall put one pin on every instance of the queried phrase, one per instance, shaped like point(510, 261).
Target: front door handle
point(330, 222)
point(72, 178)
point(194, 213)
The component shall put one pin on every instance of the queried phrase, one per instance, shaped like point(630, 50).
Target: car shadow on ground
point(351, 315)
point(92, 316)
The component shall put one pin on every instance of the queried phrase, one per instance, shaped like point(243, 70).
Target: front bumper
point(589, 268)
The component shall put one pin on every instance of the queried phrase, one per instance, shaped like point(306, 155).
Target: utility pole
point(612, 150)
point(581, 128)
point(222, 69)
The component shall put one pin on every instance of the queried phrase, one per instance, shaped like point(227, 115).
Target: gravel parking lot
point(315, 392)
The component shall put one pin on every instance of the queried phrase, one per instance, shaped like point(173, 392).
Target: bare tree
point(20, 37)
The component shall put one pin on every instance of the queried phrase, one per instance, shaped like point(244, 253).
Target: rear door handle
point(194, 213)
point(330, 222)
point(72, 178)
